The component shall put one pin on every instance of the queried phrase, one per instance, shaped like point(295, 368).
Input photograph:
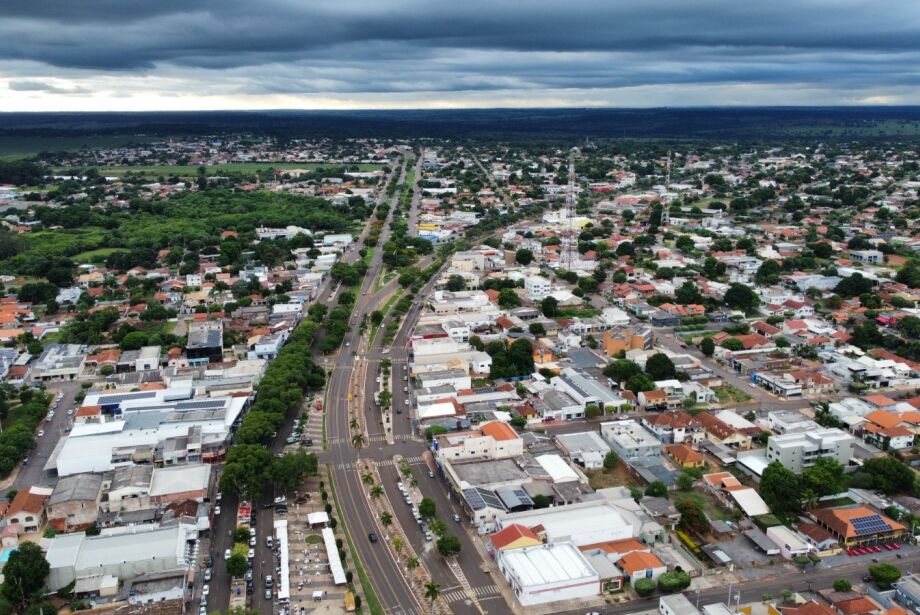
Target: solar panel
point(200, 405)
point(117, 399)
point(870, 524)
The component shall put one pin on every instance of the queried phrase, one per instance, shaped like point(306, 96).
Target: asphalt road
point(34, 472)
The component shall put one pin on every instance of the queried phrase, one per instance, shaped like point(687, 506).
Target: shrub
point(644, 587)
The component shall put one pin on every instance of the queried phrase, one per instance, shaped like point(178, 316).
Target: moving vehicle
point(456, 517)
point(268, 594)
point(430, 474)
point(269, 542)
point(41, 432)
point(372, 537)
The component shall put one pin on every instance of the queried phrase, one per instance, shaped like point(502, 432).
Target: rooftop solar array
point(872, 524)
point(481, 498)
point(204, 404)
point(106, 400)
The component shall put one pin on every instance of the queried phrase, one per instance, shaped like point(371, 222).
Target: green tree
point(657, 489)
point(507, 299)
point(455, 283)
point(592, 411)
point(688, 293)
point(780, 489)
point(237, 565)
point(660, 367)
point(644, 587)
point(639, 382)
point(707, 346)
point(550, 307)
point(673, 581)
point(432, 592)
point(886, 474)
point(523, 256)
point(741, 297)
point(768, 273)
point(685, 481)
point(825, 477)
point(537, 328)
point(24, 576)
point(610, 460)
point(854, 286)
point(842, 585)
point(427, 508)
point(884, 575)
point(622, 370)
point(240, 534)
point(448, 545)
point(386, 519)
point(692, 516)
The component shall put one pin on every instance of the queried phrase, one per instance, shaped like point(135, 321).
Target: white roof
point(180, 479)
point(547, 564)
point(582, 524)
point(557, 468)
point(750, 502)
point(790, 539)
point(332, 556)
point(734, 419)
point(284, 584)
point(315, 518)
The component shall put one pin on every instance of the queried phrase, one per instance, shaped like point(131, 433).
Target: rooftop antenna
point(570, 209)
point(666, 211)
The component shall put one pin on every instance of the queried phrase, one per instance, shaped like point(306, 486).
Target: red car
point(863, 550)
point(877, 549)
point(889, 547)
point(896, 545)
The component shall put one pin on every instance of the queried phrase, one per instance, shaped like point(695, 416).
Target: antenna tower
point(666, 211)
point(570, 210)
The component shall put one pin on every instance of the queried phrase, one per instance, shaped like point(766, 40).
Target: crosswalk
point(458, 595)
point(380, 464)
point(373, 438)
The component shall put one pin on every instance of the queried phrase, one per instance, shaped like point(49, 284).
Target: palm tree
point(357, 441)
point(412, 563)
point(353, 424)
point(368, 478)
point(397, 544)
point(376, 492)
point(386, 519)
point(432, 592)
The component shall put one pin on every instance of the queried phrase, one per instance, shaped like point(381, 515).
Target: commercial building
point(123, 553)
point(858, 525)
point(799, 450)
point(59, 362)
point(789, 542)
point(493, 440)
point(581, 524)
point(630, 440)
point(585, 390)
point(548, 573)
point(586, 448)
point(74, 503)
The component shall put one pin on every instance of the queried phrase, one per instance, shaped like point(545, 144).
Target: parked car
point(216, 511)
point(268, 594)
point(251, 554)
point(227, 554)
point(207, 574)
point(280, 499)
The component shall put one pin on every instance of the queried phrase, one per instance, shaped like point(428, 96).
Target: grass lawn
point(712, 508)
point(619, 475)
point(369, 256)
point(192, 171)
point(314, 539)
point(386, 309)
point(729, 394)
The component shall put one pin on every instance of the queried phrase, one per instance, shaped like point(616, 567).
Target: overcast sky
point(317, 54)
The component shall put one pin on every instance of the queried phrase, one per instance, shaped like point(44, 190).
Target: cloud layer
point(172, 54)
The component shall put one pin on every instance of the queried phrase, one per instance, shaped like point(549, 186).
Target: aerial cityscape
point(393, 317)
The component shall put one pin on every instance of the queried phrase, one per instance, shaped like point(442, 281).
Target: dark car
point(372, 537)
point(208, 561)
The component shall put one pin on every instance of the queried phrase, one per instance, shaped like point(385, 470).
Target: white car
point(216, 510)
point(280, 499)
point(227, 554)
point(219, 496)
point(406, 401)
point(251, 554)
point(41, 432)
point(252, 541)
point(252, 531)
point(69, 411)
point(205, 589)
point(51, 414)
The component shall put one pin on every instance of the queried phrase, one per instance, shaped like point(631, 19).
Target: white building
point(790, 543)
point(548, 573)
point(798, 450)
point(581, 524)
point(537, 287)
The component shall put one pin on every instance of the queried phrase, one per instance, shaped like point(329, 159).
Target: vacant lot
point(729, 394)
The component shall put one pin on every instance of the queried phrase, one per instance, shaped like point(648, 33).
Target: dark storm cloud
point(287, 46)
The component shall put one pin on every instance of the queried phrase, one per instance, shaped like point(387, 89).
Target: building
point(676, 604)
point(585, 390)
point(789, 542)
point(515, 536)
point(548, 573)
point(537, 287)
point(123, 553)
point(629, 440)
point(581, 524)
point(674, 427)
point(205, 343)
point(59, 362)
point(858, 525)
point(798, 450)
point(493, 440)
point(907, 592)
point(587, 449)
point(74, 503)
point(641, 565)
point(180, 483)
point(28, 509)
point(684, 456)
